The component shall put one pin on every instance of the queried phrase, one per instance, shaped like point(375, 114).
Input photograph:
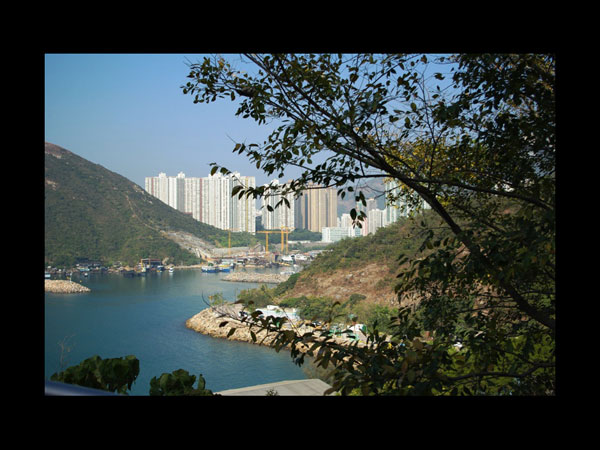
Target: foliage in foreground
point(473, 136)
point(118, 374)
point(113, 374)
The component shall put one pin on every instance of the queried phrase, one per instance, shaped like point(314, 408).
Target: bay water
point(145, 317)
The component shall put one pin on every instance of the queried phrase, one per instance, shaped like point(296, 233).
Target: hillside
point(91, 212)
point(366, 265)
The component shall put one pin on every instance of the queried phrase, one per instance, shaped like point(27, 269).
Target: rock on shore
point(208, 320)
point(252, 277)
point(64, 287)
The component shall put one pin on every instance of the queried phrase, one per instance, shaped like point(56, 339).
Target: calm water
point(145, 317)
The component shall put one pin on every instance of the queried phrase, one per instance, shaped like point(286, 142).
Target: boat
point(224, 267)
point(171, 270)
point(210, 268)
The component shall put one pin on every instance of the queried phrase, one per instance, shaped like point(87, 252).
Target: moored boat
point(224, 267)
point(210, 268)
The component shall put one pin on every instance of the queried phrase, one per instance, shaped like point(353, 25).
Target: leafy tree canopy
point(471, 135)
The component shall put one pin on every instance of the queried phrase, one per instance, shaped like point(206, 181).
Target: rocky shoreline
point(208, 320)
point(64, 287)
point(252, 277)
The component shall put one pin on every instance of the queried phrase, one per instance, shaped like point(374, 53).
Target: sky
point(128, 113)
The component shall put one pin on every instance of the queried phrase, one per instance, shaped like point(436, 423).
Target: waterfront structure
point(282, 216)
point(316, 208)
point(208, 199)
point(335, 234)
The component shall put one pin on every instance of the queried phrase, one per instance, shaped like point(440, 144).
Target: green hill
point(91, 212)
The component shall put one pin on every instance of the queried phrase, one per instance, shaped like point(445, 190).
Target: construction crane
point(229, 243)
point(285, 230)
point(282, 230)
point(267, 232)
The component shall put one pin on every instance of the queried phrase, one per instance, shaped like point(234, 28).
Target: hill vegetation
point(91, 212)
point(358, 275)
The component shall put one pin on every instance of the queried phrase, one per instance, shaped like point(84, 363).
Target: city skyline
point(209, 200)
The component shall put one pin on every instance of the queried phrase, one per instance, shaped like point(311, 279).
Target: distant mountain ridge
point(92, 212)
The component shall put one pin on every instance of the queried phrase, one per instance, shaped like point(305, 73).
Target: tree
point(471, 135)
point(111, 374)
point(119, 374)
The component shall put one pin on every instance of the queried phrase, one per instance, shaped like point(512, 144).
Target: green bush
point(112, 374)
point(118, 374)
point(179, 382)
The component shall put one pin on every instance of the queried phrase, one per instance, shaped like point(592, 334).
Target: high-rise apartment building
point(371, 204)
point(243, 217)
point(158, 187)
point(376, 219)
point(316, 208)
point(193, 197)
point(208, 199)
point(400, 207)
point(176, 186)
point(282, 216)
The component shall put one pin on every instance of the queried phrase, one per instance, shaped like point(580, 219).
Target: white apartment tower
point(193, 197)
point(282, 216)
point(158, 187)
point(401, 207)
point(176, 191)
point(243, 209)
point(208, 199)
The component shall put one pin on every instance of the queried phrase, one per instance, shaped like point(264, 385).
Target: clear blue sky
point(128, 113)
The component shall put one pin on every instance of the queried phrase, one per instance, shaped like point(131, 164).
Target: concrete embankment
point(64, 287)
point(252, 277)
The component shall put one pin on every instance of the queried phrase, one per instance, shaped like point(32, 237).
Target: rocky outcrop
point(251, 277)
point(208, 322)
point(64, 287)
